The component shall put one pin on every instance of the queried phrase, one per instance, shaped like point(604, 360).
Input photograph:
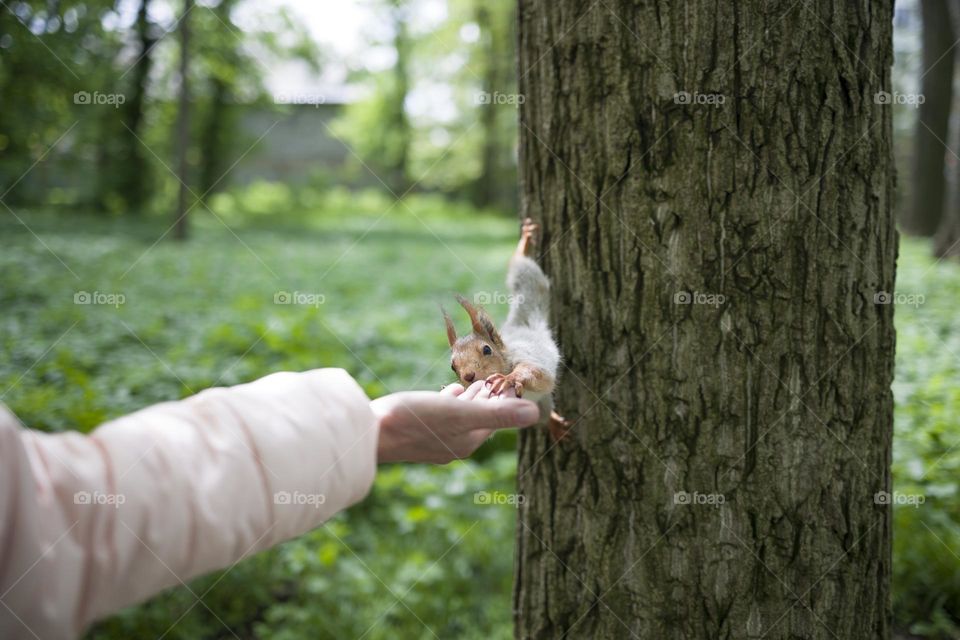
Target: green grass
point(927, 444)
point(203, 314)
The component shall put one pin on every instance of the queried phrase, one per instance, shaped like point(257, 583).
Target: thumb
point(507, 413)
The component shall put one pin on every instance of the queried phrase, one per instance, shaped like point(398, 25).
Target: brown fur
point(468, 360)
point(524, 377)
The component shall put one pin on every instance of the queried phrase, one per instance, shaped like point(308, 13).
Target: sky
point(345, 29)
point(348, 33)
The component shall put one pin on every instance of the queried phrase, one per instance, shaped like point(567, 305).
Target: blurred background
point(198, 193)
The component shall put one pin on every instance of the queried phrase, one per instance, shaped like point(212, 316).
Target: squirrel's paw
point(499, 383)
point(559, 426)
point(528, 232)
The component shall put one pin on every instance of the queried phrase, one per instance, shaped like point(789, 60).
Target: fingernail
point(527, 413)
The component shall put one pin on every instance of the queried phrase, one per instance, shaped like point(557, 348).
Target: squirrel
point(524, 355)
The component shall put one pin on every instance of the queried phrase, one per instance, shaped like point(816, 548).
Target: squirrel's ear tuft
point(490, 330)
point(482, 324)
point(473, 312)
point(451, 330)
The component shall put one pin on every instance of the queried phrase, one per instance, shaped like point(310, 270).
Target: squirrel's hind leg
point(528, 232)
point(559, 426)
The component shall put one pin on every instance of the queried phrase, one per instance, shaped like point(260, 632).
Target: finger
point(510, 392)
point(443, 413)
point(454, 390)
point(505, 414)
point(482, 394)
point(472, 391)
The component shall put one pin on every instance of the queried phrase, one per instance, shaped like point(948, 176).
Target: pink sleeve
point(94, 523)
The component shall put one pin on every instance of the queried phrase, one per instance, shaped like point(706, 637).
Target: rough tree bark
point(714, 182)
point(929, 183)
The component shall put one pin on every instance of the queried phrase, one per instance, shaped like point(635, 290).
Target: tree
point(183, 126)
point(493, 21)
point(220, 122)
point(929, 183)
point(132, 170)
point(715, 186)
point(946, 242)
point(378, 127)
point(396, 112)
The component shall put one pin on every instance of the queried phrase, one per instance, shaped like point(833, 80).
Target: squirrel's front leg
point(523, 378)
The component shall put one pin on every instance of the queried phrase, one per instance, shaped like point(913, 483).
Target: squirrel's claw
point(528, 231)
point(499, 383)
point(559, 426)
point(495, 382)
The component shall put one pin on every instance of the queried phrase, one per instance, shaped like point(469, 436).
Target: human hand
point(437, 427)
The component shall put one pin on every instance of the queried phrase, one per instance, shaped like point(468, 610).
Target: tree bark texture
point(714, 182)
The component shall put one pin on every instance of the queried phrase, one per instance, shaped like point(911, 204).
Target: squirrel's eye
point(487, 350)
point(454, 367)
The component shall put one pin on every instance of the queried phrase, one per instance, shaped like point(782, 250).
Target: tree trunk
point(398, 174)
point(218, 125)
point(133, 182)
point(483, 188)
point(929, 183)
point(714, 182)
point(946, 242)
point(183, 125)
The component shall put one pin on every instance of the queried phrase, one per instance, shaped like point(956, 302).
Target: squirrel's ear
point(473, 312)
point(489, 329)
point(482, 324)
point(451, 330)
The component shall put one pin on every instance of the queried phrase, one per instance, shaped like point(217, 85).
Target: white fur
point(526, 334)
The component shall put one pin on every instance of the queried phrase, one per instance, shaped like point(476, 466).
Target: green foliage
point(71, 73)
point(926, 459)
point(451, 138)
point(203, 314)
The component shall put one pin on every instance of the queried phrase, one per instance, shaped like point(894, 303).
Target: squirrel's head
point(479, 354)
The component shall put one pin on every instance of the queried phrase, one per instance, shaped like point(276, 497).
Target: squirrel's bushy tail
point(530, 291)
